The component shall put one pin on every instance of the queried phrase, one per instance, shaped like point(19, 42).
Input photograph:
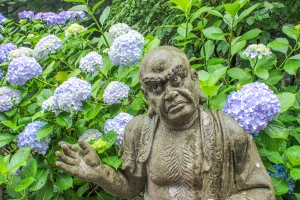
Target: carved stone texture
point(179, 150)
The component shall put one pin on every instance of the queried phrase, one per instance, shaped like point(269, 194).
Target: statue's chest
point(175, 159)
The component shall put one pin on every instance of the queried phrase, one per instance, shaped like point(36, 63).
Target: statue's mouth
point(171, 109)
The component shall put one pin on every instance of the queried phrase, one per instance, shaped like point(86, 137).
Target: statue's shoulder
point(135, 126)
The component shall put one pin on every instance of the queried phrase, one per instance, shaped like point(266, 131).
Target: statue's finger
point(70, 146)
point(85, 146)
point(73, 170)
point(66, 159)
point(68, 151)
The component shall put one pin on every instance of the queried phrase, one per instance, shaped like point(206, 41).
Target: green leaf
point(5, 138)
point(64, 119)
point(292, 65)
point(91, 110)
point(262, 73)
point(286, 100)
point(105, 142)
point(46, 192)
point(281, 185)
point(216, 76)
point(295, 173)
point(41, 177)
point(113, 161)
point(79, 8)
point(104, 15)
point(238, 73)
point(270, 144)
point(85, 187)
point(203, 75)
point(248, 11)
point(250, 35)
point(61, 76)
point(44, 95)
point(209, 48)
point(97, 5)
point(215, 61)
point(232, 8)
point(63, 181)
point(9, 124)
point(37, 115)
point(275, 129)
point(287, 30)
point(211, 31)
point(280, 45)
point(49, 69)
point(197, 14)
point(274, 77)
point(237, 47)
point(30, 169)
point(79, 1)
point(292, 155)
point(153, 44)
point(23, 184)
point(74, 73)
point(18, 159)
point(273, 156)
point(44, 131)
point(215, 13)
point(219, 101)
point(184, 5)
point(210, 90)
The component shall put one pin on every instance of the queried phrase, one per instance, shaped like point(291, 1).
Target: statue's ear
point(195, 77)
point(151, 112)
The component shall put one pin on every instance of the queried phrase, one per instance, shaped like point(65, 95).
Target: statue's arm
point(84, 163)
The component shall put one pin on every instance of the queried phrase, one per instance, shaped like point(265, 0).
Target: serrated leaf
point(63, 181)
point(248, 11)
point(46, 192)
point(292, 65)
point(5, 138)
point(105, 142)
point(18, 159)
point(280, 45)
point(210, 33)
point(184, 5)
point(292, 155)
point(295, 173)
point(30, 169)
point(74, 73)
point(232, 8)
point(104, 15)
point(250, 34)
point(276, 129)
point(208, 48)
point(41, 177)
point(49, 69)
point(238, 73)
point(210, 90)
point(113, 161)
point(286, 100)
point(79, 8)
point(270, 144)
point(273, 156)
point(281, 185)
point(23, 184)
point(216, 76)
point(287, 30)
point(90, 111)
point(97, 5)
point(237, 47)
point(274, 77)
point(64, 119)
point(61, 76)
point(262, 73)
point(37, 115)
point(44, 131)
point(9, 124)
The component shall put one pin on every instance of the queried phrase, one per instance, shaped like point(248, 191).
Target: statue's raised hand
point(82, 162)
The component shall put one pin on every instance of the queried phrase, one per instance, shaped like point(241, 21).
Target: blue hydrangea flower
point(8, 98)
point(1, 37)
point(127, 49)
point(49, 104)
point(118, 29)
point(22, 69)
point(79, 15)
point(91, 62)
point(72, 16)
point(91, 134)
point(68, 96)
point(114, 92)
point(26, 15)
point(28, 138)
point(1, 74)
point(47, 45)
point(118, 124)
point(257, 50)
point(22, 51)
point(281, 173)
point(5, 49)
point(253, 106)
point(2, 18)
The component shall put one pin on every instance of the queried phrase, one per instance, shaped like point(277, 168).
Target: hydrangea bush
point(61, 81)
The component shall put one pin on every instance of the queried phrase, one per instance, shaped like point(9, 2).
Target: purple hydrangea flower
point(118, 124)
point(91, 62)
point(50, 18)
point(118, 29)
point(26, 15)
point(91, 134)
point(1, 74)
point(72, 16)
point(8, 98)
point(5, 49)
point(127, 49)
point(22, 69)
point(79, 15)
point(47, 45)
point(49, 104)
point(114, 92)
point(2, 18)
point(38, 16)
point(253, 106)
point(281, 173)
point(257, 50)
point(68, 96)
point(28, 138)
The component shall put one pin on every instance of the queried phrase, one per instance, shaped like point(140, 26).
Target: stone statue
point(179, 150)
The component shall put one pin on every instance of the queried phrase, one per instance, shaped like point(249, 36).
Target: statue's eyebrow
point(153, 78)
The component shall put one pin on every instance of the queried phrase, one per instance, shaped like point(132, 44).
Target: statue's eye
point(176, 80)
point(156, 88)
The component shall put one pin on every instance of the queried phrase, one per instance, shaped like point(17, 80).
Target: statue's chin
point(180, 114)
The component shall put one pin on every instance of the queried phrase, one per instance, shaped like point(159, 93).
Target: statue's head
point(170, 86)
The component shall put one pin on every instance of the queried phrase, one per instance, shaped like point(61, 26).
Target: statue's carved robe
point(230, 164)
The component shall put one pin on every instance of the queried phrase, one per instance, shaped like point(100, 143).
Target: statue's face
point(170, 88)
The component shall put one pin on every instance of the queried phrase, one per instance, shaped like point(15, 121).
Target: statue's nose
point(170, 93)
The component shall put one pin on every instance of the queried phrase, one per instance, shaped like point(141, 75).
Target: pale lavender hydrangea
point(47, 45)
point(22, 51)
point(2, 18)
point(69, 95)
point(91, 62)
point(127, 49)
point(72, 16)
point(26, 15)
point(257, 50)
point(91, 134)
point(8, 98)
point(114, 92)
point(118, 29)
point(49, 105)
point(50, 18)
point(118, 124)
point(5, 49)
point(253, 106)
point(22, 69)
point(27, 138)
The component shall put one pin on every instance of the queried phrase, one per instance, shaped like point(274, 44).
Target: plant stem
point(36, 78)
